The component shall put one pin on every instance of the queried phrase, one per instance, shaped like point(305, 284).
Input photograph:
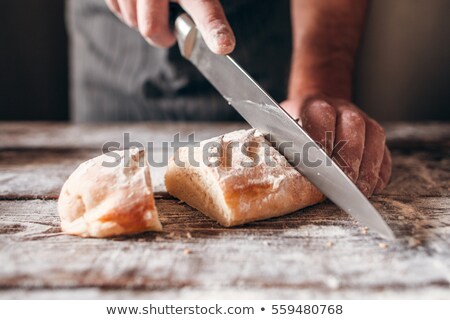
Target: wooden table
point(318, 252)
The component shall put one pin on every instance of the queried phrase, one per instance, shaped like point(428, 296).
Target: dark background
point(34, 61)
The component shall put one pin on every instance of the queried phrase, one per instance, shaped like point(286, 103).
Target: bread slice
point(102, 198)
point(228, 179)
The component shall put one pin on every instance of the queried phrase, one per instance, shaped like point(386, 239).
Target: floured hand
point(151, 19)
point(355, 141)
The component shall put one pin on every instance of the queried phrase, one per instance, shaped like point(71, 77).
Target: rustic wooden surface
point(318, 252)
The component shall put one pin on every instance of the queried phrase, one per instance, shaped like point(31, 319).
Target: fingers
point(153, 22)
point(293, 108)
point(210, 19)
point(358, 146)
point(349, 142)
point(372, 157)
point(151, 18)
point(113, 5)
point(128, 12)
point(318, 118)
point(385, 171)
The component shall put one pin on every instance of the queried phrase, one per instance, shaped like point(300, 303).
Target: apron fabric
point(117, 76)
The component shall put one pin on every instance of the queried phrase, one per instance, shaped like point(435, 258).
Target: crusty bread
point(233, 193)
point(102, 201)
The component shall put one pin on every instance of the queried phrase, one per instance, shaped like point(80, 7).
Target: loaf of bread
point(109, 195)
point(235, 185)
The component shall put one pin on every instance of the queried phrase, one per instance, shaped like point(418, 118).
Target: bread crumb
point(383, 245)
point(330, 243)
point(364, 230)
point(180, 202)
point(175, 235)
point(413, 242)
point(187, 251)
point(188, 235)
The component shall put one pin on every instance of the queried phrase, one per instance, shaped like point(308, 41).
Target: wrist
point(330, 74)
point(325, 40)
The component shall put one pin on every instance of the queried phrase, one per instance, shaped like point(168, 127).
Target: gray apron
point(117, 76)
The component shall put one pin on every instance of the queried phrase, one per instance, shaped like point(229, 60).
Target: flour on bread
point(103, 198)
point(232, 192)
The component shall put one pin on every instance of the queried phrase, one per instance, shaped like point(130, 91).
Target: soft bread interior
point(232, 193)
point(198, 189)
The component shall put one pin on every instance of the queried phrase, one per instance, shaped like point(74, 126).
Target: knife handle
point(184, 29)
point(175, 11)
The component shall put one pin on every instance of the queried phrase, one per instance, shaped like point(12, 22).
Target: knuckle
point(321, 105)
point(213, 21)
point(151, 29)
point(352, 116)
point(212, 13)
point(319, 109)
point(376, 127)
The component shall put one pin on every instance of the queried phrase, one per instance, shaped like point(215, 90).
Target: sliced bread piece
point(238, 178)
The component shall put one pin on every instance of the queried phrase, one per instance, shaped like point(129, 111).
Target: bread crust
point(234, 193)
point(104, 201)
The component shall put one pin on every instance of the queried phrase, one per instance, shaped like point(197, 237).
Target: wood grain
point(40, 173)
point(28, 171)
point(318, 252)
point(291, 252)
point(92, 136)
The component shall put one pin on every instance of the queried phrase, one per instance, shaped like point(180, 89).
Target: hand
point(356, 142)
point(151, 19)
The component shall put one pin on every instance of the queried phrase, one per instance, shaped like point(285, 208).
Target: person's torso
point(127, 79)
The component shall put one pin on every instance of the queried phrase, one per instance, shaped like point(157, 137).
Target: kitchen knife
point(264, 114)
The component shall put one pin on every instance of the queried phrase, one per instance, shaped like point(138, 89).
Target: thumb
point(293, 108)
point(210, 19)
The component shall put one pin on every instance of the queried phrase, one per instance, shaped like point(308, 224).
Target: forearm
point(326, 36)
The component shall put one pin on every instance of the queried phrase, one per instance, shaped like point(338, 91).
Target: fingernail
point(223, 39)
point(364, 187)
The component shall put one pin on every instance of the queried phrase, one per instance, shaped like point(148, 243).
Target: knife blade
point(264, 114)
